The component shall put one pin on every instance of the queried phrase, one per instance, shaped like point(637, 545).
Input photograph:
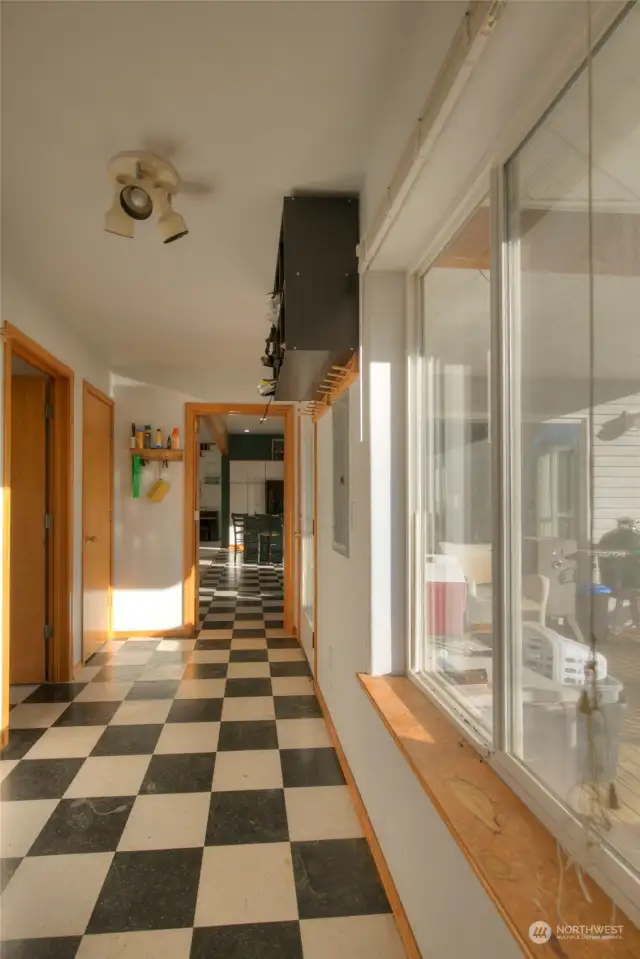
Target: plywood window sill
point(508, 848)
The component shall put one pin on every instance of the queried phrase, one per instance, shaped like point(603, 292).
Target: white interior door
point(307, 579)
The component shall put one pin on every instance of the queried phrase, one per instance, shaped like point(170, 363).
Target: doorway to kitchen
point(239, 512)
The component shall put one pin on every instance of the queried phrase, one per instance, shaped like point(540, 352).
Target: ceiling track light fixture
point(141, 184)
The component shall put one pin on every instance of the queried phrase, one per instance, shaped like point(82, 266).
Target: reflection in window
point(576, 603)
point(456, 628)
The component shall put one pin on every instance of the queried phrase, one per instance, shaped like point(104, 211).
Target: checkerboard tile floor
point(182, 799)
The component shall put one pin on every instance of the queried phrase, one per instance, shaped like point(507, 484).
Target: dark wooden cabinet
point(317, 289)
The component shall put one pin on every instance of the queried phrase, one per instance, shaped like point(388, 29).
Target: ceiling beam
point(217, 430)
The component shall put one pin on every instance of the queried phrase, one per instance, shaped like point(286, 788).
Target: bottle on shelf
point(175, 439)
point(139, 439)
point(158, 439)
point(132, 438)
point(147, 437)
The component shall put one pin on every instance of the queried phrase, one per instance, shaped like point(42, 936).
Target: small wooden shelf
point(169, 455)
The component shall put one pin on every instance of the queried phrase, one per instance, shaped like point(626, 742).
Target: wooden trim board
point(87, 388)
point(184, 631)
point(190, 578)
point(406, 933)
point(61, 544)
point(511, 852)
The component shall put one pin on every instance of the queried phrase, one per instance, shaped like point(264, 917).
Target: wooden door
point(97, 505)
point(28, 535)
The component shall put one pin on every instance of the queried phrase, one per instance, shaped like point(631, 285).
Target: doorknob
point(90, 539)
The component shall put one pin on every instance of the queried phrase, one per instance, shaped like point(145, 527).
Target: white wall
point(148, 572)
point(361, 624)
point(25, 310)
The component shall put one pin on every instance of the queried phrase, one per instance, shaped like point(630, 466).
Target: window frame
point(599, 859)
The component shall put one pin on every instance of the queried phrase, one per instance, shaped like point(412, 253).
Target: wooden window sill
point(511, 852)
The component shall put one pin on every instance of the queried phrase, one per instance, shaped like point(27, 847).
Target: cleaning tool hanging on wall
point(159, 489)
point(136, 472)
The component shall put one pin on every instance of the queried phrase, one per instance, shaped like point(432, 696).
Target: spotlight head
point(117, 221)
point(136, 202)
point(170, 224)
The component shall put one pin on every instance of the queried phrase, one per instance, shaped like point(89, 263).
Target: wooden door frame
point(89, 390)
point(60, 665)
point(190, 580)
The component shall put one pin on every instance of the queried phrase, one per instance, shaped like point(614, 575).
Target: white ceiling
point(255, 99)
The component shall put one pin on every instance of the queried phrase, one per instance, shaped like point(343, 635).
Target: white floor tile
point(104, 693)
point(109, 776)
point(302, 733)
point(249, 644)
point(249, 624)
point(176, 645)
point(286, 655)
point(163, 672)
point(248, 671)
point(66, 742)
point(210, 656)
point(127, 658)
point(201, 689)
point(163, 944)
point(243, 884)
point(168, 821)
point(7, 766)
point(17, 694)
point(247, 769)
point(242, 708)
point(321, 812)
point(292, 686)
point(188, 738)
point(354, 937)
point(278, 633)
point(35, 715)
point(65, 889)
point(146, 711)
point(86, 674)
point(21, 824)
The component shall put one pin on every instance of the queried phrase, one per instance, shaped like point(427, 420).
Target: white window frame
point(585, 847)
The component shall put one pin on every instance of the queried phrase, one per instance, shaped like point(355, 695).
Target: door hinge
point(48, 411)
point(48, 632)
point(48, 520)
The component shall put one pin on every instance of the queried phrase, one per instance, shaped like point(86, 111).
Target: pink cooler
point(446, 597)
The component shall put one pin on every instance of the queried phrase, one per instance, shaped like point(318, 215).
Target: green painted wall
point(244, 446)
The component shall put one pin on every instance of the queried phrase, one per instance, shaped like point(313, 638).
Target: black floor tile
point(274, 623)
point(299, 667)
point(88, 714)
point(248, 656)
point(66, 948)
point(183, 773)
point(296, 707)
point(154, 689)
point(209, 644)
point(283, 642)
point(84, 825)
point(206, 671)
point(247, 617)
point(100, 659)
point(195, 711)
point(127, 740)
point(39, 779)
point(118, 674)
point(20, 742)
point(337, 877)
point(270, 940)
point(247, 687)
point(311, 767)
point(148, 890)
point(218, 623)
point(256, 734)
point(252, 816)
point(55, 693)
point(7, 869)
point(249, 633)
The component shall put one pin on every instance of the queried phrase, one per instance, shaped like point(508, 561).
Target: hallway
point(182, 799)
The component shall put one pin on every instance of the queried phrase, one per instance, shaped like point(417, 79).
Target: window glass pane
point(576, 456)
point(455, 636)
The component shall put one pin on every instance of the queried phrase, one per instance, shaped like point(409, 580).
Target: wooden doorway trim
point(89, 390)
point(190, 578)
point(60, 663)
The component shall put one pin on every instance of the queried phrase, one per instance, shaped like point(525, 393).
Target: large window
point(454, 646)
point(526, 496)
